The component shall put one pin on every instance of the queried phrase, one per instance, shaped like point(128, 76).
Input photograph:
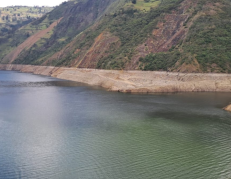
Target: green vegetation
point(145, 5)
point(14, 17)
point(82, 16)
point(132, 27)
point(159, 61)
point(15, 14)
point(207, 39)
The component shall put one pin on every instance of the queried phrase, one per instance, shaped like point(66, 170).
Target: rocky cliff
point(228, 108)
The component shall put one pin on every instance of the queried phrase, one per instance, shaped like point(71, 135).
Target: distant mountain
point(172, 35)
point(16, 16)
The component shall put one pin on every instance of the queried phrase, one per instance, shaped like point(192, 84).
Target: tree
point(133, 1)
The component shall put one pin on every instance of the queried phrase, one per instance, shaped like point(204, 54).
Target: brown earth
point(134, 81)
point(65, 51)
point(87, 57)
point(29, 43)
point(194, 66)
point(98, 50)
point(170, 31)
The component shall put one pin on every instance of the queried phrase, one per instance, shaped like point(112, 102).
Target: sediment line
point(133, 81)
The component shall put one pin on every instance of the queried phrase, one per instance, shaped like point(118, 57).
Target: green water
point(58, 129)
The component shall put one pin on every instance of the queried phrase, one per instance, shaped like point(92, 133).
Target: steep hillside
point(75, 17)
point(172, 35)
point(12, 19)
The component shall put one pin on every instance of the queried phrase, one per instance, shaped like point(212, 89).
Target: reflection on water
point(11, 84)
point(52, 128)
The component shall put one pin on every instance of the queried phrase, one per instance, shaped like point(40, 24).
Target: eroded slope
point(170, 35)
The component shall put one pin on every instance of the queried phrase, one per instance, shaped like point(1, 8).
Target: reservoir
point(51, 128)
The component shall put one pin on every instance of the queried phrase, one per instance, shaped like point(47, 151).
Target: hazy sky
point(4, 3)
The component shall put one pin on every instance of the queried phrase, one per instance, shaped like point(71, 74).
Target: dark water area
point(51, 128)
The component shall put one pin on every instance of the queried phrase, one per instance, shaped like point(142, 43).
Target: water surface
point(51, 128)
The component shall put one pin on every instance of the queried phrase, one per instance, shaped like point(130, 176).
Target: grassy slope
point(208, 41)
point(76, 18)
point(21, 13)
point(206, 45)
point(129, 24)
point(133, 27)
point(11, 33)
point(142, 5)
point(14, 17)
point(14, 38)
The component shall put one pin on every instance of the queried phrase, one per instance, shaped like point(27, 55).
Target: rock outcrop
point(134, 81)
point(228, 108)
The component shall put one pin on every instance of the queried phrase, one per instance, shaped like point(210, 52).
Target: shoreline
point(228, 108)
point(133, 81)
